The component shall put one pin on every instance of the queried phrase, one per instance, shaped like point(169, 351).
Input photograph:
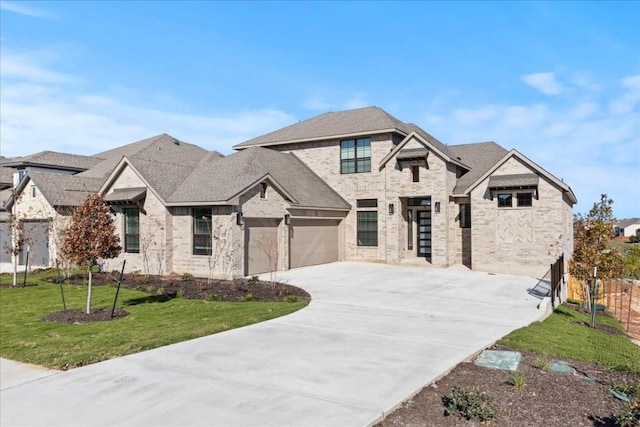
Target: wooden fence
point(557, 280)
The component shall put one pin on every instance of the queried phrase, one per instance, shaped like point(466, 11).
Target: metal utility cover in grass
point(495, 359)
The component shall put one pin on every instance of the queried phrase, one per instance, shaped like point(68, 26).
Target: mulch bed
point(547, 399)
point(162, 289)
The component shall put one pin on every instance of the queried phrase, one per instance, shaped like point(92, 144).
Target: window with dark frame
point(202, 235)
point(465, 215)
point(415, 173)
point(505, 200)
point(355, 155)
point(367, 222)
point(525, 200)
point(410, 229)
point(33, 191)
point(131, 230)
point(263, 190)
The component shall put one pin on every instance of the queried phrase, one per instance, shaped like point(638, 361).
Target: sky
point(557, 81)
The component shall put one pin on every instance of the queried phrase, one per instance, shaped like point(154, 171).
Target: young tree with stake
point(91, 236)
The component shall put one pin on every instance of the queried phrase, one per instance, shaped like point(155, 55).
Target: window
point(367, 228)
point(263, 190)
point(355, 155)
point(415, 173)
point(410, 229)
point(202, 226)
point(367, 203)
point(21, 174)
point(367, 222)
point(525, 199)
point(505, 200)
point(33, 191)
point(131, 230)
point(465, 215)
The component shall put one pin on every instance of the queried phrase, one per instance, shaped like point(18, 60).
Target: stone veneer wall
point(516, 240)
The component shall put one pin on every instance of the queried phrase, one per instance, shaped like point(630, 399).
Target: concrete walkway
point(373, 336)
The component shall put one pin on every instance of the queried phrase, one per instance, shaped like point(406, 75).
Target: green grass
point(25, 337)
point(560, 336)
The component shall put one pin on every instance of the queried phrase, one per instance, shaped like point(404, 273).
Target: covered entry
point(313, 241)
point(261, 245)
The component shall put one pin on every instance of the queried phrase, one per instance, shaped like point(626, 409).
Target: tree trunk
point(89, 292)
point(15, 270)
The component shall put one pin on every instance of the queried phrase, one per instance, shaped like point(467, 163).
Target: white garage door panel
point(314, 242)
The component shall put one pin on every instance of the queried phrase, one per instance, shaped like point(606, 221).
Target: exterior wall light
point(239, 218)
point(287, 219)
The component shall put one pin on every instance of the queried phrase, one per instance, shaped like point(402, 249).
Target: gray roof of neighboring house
point(624, 223)
point(342, 123)
point(161, 148)
point(480, 157)
point(225, 178)
point(56, 160)
point(64, 190)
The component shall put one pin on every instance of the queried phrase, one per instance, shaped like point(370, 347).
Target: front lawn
point(563, 334)
point(151, 322)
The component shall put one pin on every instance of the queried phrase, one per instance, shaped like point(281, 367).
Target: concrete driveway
point(373, 336)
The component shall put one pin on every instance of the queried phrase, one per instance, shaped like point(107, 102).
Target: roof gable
point(532, 165)
point(361, 121)
point(60, 190)
point(429, 144)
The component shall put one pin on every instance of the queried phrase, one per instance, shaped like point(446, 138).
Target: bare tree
point(91, 236)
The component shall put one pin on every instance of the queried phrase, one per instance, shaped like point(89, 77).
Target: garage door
point(313, 241)
point(261, 245)
point(37, 234)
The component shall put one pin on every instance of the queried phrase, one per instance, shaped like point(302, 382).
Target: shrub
point(629, 418)
point(214, 297)
point(180, 293)
point(253, 280)
point(292, 298)
point(541, 363)
point(187, 277)
point(469, 404)
point(249, 297)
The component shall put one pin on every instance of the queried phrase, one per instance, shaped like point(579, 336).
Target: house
point(351, 185)
point(627, 227)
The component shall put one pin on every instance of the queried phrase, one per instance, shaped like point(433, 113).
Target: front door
point(424, 234)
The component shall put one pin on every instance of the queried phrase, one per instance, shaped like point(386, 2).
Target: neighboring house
point(352, 185)
point(627, 227)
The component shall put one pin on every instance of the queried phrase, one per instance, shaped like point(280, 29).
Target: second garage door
point(313, 241)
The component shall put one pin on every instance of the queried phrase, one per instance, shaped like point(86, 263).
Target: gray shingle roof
point(64, 190)
point(351, 122)
point(480, 157)
point(513, 180)
point(627, 222)
point(55, 159)
point(221, 179)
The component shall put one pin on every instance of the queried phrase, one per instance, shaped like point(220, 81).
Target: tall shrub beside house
point(91, 236)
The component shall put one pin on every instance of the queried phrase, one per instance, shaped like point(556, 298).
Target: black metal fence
point(557, 281)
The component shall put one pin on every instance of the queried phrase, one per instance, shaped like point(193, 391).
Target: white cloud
point(595, 149)
point(544, 82)
point(23, 9)
point(40, 111)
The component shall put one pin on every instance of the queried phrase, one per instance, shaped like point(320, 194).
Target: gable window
point(415, 173)
point(202, 226)
point(525, 199)
point(505, 200)
point(465, 215)
point(367, 222)
point(355, 155)
point(33, 191)
point(21, 174)
point(263, 190)
point(131, 230)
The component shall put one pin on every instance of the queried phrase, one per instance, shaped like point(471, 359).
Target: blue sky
point(558, 81)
